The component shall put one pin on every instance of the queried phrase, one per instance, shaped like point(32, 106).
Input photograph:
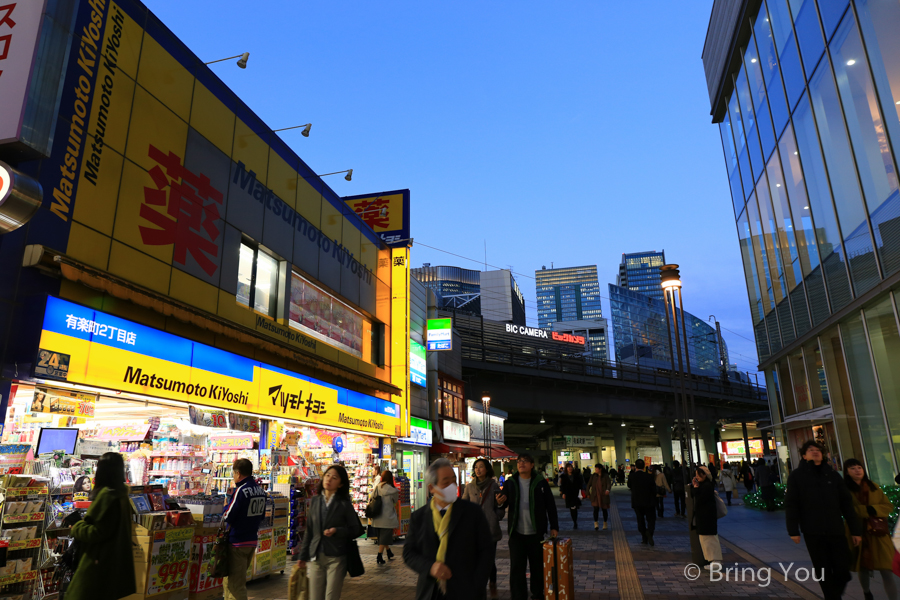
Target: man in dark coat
point(453, 559)
point(766, 484)
point(818, 503)
point(643, 500)
point(531, 507)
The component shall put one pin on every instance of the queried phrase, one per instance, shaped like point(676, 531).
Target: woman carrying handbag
point(329, 544)
point(482, 490)
point(876, 551)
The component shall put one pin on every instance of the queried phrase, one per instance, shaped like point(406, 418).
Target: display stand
point(24, 520)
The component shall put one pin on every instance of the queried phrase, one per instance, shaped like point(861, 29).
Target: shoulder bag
point(373, 508)
point(877, 527)
point(221, 551)
point(355, 566)
point(721, 508)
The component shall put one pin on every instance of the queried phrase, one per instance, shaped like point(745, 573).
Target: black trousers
point(660, 506)
point(728, 497)
point(679, 502)
point(573, 510)
point(526, 549)
point(597, 510)
point(646, 519)
point(830, 554)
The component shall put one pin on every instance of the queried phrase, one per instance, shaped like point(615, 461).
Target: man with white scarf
point(449, 543)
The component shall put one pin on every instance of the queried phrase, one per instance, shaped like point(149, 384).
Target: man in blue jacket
point(243, 514)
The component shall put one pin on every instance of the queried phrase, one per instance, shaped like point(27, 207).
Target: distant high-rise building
point(501, 298)
point(567, 294)
point(641, 336)
point(495, 295)
point(639, 272)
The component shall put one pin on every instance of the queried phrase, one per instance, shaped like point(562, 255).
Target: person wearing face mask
point(449, 543)
point(531, 507)
point(331, 524)
point(818, 503)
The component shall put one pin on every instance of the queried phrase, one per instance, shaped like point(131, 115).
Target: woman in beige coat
point(387, 520)
point(482, 490)
point(662, 484)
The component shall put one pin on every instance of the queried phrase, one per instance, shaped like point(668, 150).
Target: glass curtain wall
point(810, 135)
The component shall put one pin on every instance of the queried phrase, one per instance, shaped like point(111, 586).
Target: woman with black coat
point(570, 491)
point(705, 521)
point(331, 524)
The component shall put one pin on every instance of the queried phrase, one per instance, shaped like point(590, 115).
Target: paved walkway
point(613, 564)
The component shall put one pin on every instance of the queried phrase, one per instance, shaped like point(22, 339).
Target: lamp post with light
point(671, 284)
point(486, 400)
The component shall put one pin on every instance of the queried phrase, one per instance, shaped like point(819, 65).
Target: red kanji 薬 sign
point(191, 207)
point(375, 213)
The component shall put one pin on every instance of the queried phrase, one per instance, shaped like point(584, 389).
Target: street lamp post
point(486, 400)
point(671, 284)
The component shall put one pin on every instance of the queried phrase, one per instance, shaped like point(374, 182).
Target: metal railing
point(488, 346)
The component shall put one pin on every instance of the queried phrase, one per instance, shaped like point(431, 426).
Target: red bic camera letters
point(191, 208)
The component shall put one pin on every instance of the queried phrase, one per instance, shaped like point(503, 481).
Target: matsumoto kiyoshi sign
point(113, 353)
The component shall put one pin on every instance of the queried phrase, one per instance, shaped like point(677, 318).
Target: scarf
point(482, 485)
point(442, 529)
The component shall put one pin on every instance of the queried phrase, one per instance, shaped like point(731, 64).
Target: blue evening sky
point(563, 132)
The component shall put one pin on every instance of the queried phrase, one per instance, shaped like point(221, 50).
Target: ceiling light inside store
point(753, 60)
point(542, 418)
point(851, 62)
point(652, 426)
point(805, 208)
point(623, 423)
point(590, 421)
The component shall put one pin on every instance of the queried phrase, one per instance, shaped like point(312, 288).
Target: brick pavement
point(611, 564)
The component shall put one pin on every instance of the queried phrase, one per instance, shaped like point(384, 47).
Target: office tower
point(806, 97)
point(495, 295)
point(567, 294)
point(639, 329)
point(639, 272)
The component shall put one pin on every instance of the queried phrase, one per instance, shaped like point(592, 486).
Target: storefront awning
point(497, 451)
point(465, 449)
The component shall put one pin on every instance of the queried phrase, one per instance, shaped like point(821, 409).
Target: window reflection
point(839, 393)
point(786, 45)
point(806, 22)
point(874, 159)
point(750, 269)
point(885, 342)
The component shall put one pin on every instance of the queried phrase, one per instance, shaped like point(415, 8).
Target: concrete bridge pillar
point(620, 434)
point(664, 431)
point(708, 435)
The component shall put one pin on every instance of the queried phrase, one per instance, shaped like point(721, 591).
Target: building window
point(320, 315)
point(257, 280)
point(452, 405)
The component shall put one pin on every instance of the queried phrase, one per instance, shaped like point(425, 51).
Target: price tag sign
point(201, 565)
point(170, 561)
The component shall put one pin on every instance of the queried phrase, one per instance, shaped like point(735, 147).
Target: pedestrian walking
point(331, 525)
point(531, 508)
point(818, 503)
point(747, 476)
point(106, 568)
point(449, 543)
point(483, 491)
point(766, 484)
point(706, 517)
point(643, 501)
point(243, 514)
point(876, 550)
point(662, 488)
point(598, 492)
point(678, 489)
point(713, 472)
point(585, 476)
point(570, 491)
point(620, 476)
point(385, 522)
point(726, 478)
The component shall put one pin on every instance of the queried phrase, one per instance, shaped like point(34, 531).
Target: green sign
point(440, 334)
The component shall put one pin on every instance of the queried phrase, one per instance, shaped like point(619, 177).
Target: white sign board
point(456, 431)
point(20, 27)
point(477, 428)
point(418, 436)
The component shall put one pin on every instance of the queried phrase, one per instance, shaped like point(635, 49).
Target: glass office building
point(567, 294)
point(454, 287)
point(806, 96)
point(639, 330)
point(594, 332)
point(639, 272)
